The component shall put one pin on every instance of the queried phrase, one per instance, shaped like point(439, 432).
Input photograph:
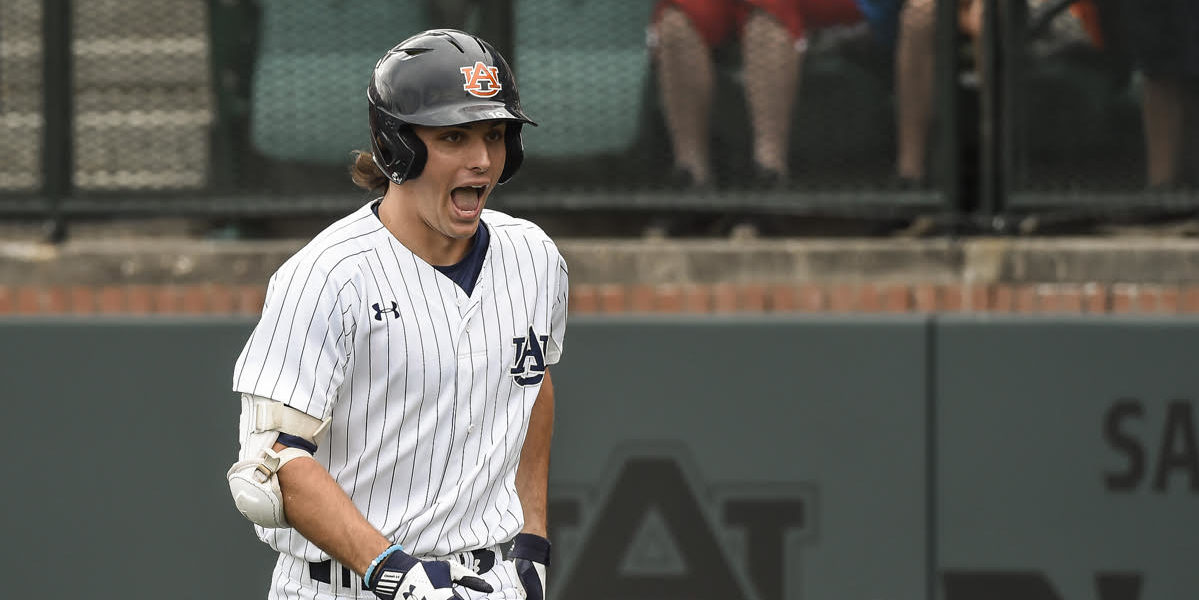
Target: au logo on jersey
point(529, 367)
point(481, 80)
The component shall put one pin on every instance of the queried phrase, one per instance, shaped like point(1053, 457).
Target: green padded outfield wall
point(118, 437)
point(1067, 460)
point(760, 458)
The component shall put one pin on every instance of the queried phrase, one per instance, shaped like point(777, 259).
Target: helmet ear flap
point(515, 150)
point(412, 157)
point(397, 150)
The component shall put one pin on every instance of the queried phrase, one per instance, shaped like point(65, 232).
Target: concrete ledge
point(131, 261)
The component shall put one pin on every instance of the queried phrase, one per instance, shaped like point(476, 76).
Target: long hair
point(366, 174)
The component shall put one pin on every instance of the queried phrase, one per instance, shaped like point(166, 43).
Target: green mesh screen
point(310, 79)
point(630, 98)
point(20, 94)
point(142, 94)
point(267, 97)
point(1107, 103)
point(638, 107)
point(582, 68)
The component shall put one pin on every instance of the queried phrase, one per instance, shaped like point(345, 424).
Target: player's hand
point(398, 575)
point(531, 555)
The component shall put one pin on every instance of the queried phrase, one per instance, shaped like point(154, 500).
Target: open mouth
point(468, 199)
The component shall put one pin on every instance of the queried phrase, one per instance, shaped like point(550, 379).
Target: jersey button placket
point(465, 366)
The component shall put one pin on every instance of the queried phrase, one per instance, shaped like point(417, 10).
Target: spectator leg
point(1162, 110)
point(771, 71)
point(915, 63)
point(685, 83)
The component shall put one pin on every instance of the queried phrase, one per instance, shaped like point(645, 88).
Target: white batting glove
point(531, 555)
point(396, 574)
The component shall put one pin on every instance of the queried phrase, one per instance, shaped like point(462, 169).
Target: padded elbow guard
point(254, 483)
point(253, 480)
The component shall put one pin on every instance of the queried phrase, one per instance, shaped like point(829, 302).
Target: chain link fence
point(142, 91)
point(20, 95)
point(684, 106)
point(858, 107)
point(1101, 105)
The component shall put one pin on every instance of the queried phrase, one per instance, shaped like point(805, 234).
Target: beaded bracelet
point(366, 577)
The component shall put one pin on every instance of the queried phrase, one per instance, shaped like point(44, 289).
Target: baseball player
point(396, 398)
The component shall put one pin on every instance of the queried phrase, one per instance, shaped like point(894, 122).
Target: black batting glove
point(396, 574)
point(531, 555)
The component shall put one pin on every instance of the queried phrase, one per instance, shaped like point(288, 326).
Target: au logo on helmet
point(481, 80)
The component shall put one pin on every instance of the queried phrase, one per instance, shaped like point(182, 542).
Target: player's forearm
point(320, 510)
point(532, 473)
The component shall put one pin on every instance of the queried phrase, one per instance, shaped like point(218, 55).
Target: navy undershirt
point(466, 271)
point(293, 441)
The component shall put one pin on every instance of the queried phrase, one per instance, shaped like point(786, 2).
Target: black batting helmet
point(439, 77)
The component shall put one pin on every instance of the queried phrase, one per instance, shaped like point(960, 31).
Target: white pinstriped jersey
point(430, 390)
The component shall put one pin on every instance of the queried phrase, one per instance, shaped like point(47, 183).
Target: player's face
point(463, 166)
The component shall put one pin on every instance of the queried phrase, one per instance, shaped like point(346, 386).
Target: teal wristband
point(366, 577)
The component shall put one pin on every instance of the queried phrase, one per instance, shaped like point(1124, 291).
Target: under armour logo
point(531, 347)
point(481, 80)
point(394, 310)
point(411, 593)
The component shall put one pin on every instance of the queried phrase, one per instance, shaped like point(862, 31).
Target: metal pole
point(1013, 21)
point(946, 77)
point(989, 67)
point(499, 19)
point(58, 163)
